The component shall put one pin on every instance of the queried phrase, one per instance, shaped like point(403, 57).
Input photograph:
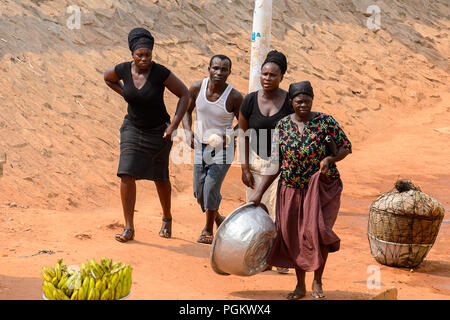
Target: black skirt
point(144, 154)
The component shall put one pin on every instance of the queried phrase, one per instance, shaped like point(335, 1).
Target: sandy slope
point(59, 128)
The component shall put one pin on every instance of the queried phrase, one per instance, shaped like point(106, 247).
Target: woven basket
point(403, 226)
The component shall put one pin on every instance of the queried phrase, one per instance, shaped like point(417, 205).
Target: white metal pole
point(262, 23)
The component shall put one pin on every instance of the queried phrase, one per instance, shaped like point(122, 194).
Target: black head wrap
point(277, 58)
point(303, 87)
point(140, 38)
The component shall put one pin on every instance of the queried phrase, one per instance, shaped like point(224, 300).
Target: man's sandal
point(165, 232)
point(205, 238)
point(126, 235)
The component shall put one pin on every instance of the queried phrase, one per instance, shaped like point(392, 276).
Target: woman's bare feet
point(298, 293)
point(317, 291)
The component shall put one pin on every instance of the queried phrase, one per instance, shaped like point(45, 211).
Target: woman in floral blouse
point(309, 189)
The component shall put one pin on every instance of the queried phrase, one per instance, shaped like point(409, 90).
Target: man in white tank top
point(216, 104)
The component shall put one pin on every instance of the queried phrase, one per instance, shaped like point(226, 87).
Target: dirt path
point(179, 268)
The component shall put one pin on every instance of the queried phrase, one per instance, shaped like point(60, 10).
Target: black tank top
point(263, 125)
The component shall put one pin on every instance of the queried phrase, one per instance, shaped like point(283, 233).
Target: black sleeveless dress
point(144, 154)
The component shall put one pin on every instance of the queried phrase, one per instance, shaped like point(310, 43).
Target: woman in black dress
point(146, 132)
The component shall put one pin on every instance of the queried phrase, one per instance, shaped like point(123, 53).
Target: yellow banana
point(116, 265)
point(91, 295)
point(50, 271)
point(103, 265)
point(114, 280)
point(83, 270)
point(128, 287)
point(81, 294)
point(85, 284)
point(107, 264)
point(98, 284)
point(93, 271)
point(118, 293)
point(124, 291)
point(112, 293)
point(61, 295)
point(46, 276)
point(105, 295)
point(122, 274)
point(58, 271)
point(55, 281)
point(96, 294)
point(117, 268)
point(104, 286)
point(97, 268)
point(74, 295)
point(128, 279)
point(48, 293)
point(62, 281)
point(91, 283)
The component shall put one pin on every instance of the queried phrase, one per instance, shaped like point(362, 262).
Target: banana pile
point(106, 280)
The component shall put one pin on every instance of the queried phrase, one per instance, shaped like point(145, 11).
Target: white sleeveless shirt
point(212, 117)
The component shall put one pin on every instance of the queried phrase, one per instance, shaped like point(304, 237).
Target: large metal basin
point(243, 242)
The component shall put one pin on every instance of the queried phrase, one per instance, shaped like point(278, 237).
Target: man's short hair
point(221, 57)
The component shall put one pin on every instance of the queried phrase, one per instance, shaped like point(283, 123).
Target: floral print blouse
point(299, 155)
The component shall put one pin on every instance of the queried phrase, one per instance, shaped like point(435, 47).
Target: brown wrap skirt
point(304, 221)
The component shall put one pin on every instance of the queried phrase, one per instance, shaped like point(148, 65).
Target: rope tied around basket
point(404, 185)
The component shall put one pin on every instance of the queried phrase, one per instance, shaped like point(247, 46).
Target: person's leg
point(164, 189)
point(300, 289)
point(210, 219)
point(317, 282)
point(219, 219)
point(128, 197)
point(215, 175)
point(199, 175)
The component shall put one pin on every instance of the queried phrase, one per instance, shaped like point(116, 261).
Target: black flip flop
point(164, 232)
point(126, 235)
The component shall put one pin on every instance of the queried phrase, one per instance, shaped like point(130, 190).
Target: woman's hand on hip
point(325, 165)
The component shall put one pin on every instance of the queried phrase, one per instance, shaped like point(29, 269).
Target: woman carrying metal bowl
point(309, 189)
